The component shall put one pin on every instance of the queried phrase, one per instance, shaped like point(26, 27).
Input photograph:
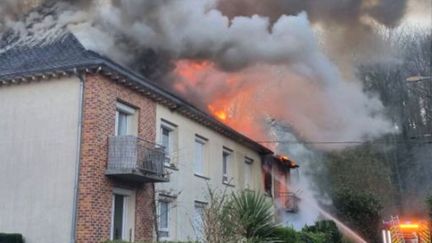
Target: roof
point(66, 56)
point(63, 52)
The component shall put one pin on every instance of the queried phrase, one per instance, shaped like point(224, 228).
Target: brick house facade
point(95, 189)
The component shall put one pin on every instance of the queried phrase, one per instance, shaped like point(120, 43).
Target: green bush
point(286, 234)
point(328, 228)
point(11, 238)
point(289, 235)
point(312, 237)
point(253, 213)
point(360, 210)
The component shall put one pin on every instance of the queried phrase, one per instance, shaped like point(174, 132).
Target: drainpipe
point(81, 77)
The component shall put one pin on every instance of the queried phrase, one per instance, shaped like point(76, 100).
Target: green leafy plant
point(360, 210)
point(240, 217)
point(285, 234)
point(289, 235)
point(254, 215)
point(322, 232)
point(328, 228)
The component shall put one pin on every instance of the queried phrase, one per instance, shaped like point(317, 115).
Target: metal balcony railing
point(290, 201)
point(133, 158)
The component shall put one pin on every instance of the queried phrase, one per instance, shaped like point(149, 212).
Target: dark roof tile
point(64, 52)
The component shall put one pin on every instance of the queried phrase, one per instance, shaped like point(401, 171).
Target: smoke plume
point(244, 60)
point(347, 12)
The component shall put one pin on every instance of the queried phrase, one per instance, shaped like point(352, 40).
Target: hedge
point(11, 238)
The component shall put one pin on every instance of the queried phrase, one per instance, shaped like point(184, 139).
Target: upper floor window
point(226, 157)
point(200, 144)
point(248, 172)
point(268, 179)
point(125, 120)
point(167, 139)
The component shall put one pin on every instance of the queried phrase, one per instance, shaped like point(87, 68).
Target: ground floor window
point(199, 217)
point(163, 218)
point(123, 215)
point(119, 216)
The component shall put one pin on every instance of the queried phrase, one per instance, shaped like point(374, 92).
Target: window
point(248, 172)
point(199, 155)
point(198, 221)
point(118, 217)
point(123, 214)
point(268, 178)
point(226, 156)
point(167, 139)
point(125, 116)
point(164, 218)
point(122, 123)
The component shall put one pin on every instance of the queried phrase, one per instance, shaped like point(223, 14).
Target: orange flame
point(221, 93)
point(219, 114)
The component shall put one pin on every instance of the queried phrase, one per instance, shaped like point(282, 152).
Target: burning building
point(242, 68)
point(93, 151)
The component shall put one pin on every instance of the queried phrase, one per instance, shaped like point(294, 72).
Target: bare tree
point(409, 105)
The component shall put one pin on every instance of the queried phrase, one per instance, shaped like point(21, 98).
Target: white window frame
point(226, 176)
point(160, 229)
point(126, 197)
point(171, 139)
point(196, 220)
point(130, 112)
point(248, 176)
point(203, 141)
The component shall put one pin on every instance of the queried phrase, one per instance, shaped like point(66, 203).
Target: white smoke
point(299, 181)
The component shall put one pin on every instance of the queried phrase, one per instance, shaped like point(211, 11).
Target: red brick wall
point(95, 189)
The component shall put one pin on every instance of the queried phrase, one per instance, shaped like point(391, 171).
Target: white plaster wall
point(188, 186)
point(38, 149)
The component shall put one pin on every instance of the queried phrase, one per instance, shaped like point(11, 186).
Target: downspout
point(78, 156)
point(155, 216)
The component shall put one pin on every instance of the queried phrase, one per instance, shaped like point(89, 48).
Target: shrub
point(289, 235)
point(361, 210)
point(286, 234)
point(11, 238)
point(254, 215)
point(312, 237)
point(328, 228)
point(241, 217)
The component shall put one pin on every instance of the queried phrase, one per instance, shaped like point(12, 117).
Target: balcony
point(289, 201)
point(134, 159)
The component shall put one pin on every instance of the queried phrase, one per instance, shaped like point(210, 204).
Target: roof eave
point(119, 74)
